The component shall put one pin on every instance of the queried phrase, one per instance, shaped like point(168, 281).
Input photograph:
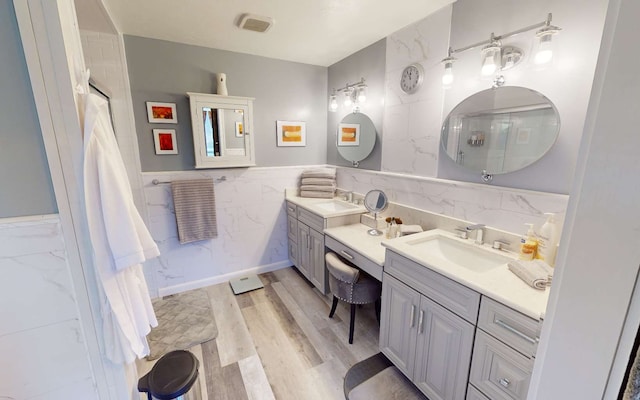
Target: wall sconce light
point(496, 57)
point(354, 94)
point(333, 102)
point(447, 78)
point(544, 52)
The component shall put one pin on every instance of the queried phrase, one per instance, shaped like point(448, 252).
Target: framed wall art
point(291, 133)
point(348, 134)
point(162, 113)
point(165, 141)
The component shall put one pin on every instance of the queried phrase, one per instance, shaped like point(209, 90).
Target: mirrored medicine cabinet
point(500, 130)
point(222, 130)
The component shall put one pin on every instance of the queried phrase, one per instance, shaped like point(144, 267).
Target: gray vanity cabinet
point(310, 260)
point(428, 343)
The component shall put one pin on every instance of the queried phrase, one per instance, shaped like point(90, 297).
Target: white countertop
point(311, 204)
point(499, 283)
point(356, 237)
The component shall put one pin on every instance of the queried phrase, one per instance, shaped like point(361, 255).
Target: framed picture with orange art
point(291, 133)
point(162, 113)
point(348, 134)
point(165, 141)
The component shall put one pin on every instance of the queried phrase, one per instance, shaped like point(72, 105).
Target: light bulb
point(447, 78)
point(333, 106)
point(489, 65)
point(545, 50)
point(347, 98)
point(362, 94)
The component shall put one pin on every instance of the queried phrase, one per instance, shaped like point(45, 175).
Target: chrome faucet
point(479, 234)
point(347, 196)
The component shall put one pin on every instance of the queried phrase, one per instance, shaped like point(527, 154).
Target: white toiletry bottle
point(548, 239)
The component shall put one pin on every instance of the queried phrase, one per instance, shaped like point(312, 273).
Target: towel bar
point(157, 182)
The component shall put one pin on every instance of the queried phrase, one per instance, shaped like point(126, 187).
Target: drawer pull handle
point(344, 253)
point(291, 209)
point(413, 316)
point(420, 322)
point(504, 382)
point(515, 331)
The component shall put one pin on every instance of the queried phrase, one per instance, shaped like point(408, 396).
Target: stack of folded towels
point(318, 182)
point(536, 273)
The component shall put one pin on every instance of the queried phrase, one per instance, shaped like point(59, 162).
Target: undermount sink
point(335, 206)
point(465, 255)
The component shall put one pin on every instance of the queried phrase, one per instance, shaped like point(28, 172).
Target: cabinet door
point(304, 257)
point(317, 270)
point(398, 323)
point(444, 346)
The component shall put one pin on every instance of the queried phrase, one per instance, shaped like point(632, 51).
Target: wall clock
point(412, 78)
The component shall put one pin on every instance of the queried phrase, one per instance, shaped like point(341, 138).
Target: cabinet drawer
point(291, 209)
point(475, 394)
point(312, 220)
point(448, 293)
point(515, 329)
point(499, 371)
point(292, 228)
point(354, 257)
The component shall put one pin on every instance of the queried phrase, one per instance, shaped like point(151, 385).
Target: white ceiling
point(319, 32)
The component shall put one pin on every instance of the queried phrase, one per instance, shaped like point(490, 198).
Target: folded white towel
point(409, 229)
point(318, 181)
point(320, 195)
point(318, 188)
point(319, 173)
point(535, 273)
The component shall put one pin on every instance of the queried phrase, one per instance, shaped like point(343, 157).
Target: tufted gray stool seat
point(351, 285)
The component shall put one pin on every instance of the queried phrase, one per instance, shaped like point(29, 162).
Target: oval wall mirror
point(356, 137)
point(500, 130)
point(375, 201)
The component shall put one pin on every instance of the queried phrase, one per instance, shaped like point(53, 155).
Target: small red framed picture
point(162, 113)
point(165, 141)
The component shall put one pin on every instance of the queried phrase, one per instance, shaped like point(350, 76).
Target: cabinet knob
point(504, 382)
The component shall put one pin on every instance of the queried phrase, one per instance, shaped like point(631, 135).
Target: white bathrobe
point(120, 240)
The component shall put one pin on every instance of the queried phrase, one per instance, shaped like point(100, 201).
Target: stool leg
point(333, 306)
point(351, 322)
point(377, 305)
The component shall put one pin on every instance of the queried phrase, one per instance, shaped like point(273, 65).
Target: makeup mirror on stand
point(375, 201)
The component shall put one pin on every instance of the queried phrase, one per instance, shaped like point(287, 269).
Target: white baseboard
point(214, 280)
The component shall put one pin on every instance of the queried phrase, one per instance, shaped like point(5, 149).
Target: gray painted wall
point(24, 172)
point(164, 71)
point(368, 63)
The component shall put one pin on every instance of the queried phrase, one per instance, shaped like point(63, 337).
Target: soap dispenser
point(528, 244)
point(548, 239)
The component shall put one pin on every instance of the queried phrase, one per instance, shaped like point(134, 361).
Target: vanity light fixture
point(447, 78)
point(544, 53)
point(354, 94)
point(333, 102)
point(496, 58)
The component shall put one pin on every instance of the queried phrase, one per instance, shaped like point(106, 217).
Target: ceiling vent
point(256, 23)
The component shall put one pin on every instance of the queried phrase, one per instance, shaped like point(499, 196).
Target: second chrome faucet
point(479, 228)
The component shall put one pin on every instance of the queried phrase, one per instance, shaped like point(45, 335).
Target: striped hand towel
point(318, 181)
point(329, 173)
point(318, 188)
point(195, 206)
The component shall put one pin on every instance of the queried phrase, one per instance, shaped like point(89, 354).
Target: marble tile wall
point(252, 234)
point(497, 207)
point(41, 339)
point(412, 121)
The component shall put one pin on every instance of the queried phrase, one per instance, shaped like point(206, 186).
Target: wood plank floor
point(279, 343)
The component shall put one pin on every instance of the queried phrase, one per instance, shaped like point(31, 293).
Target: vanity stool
point(351, 285)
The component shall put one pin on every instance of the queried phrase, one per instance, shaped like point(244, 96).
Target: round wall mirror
point(356, 137)
point(500, 130)
point(375, 201)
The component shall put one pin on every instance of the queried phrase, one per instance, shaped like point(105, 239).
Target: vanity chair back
point(352, 286)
